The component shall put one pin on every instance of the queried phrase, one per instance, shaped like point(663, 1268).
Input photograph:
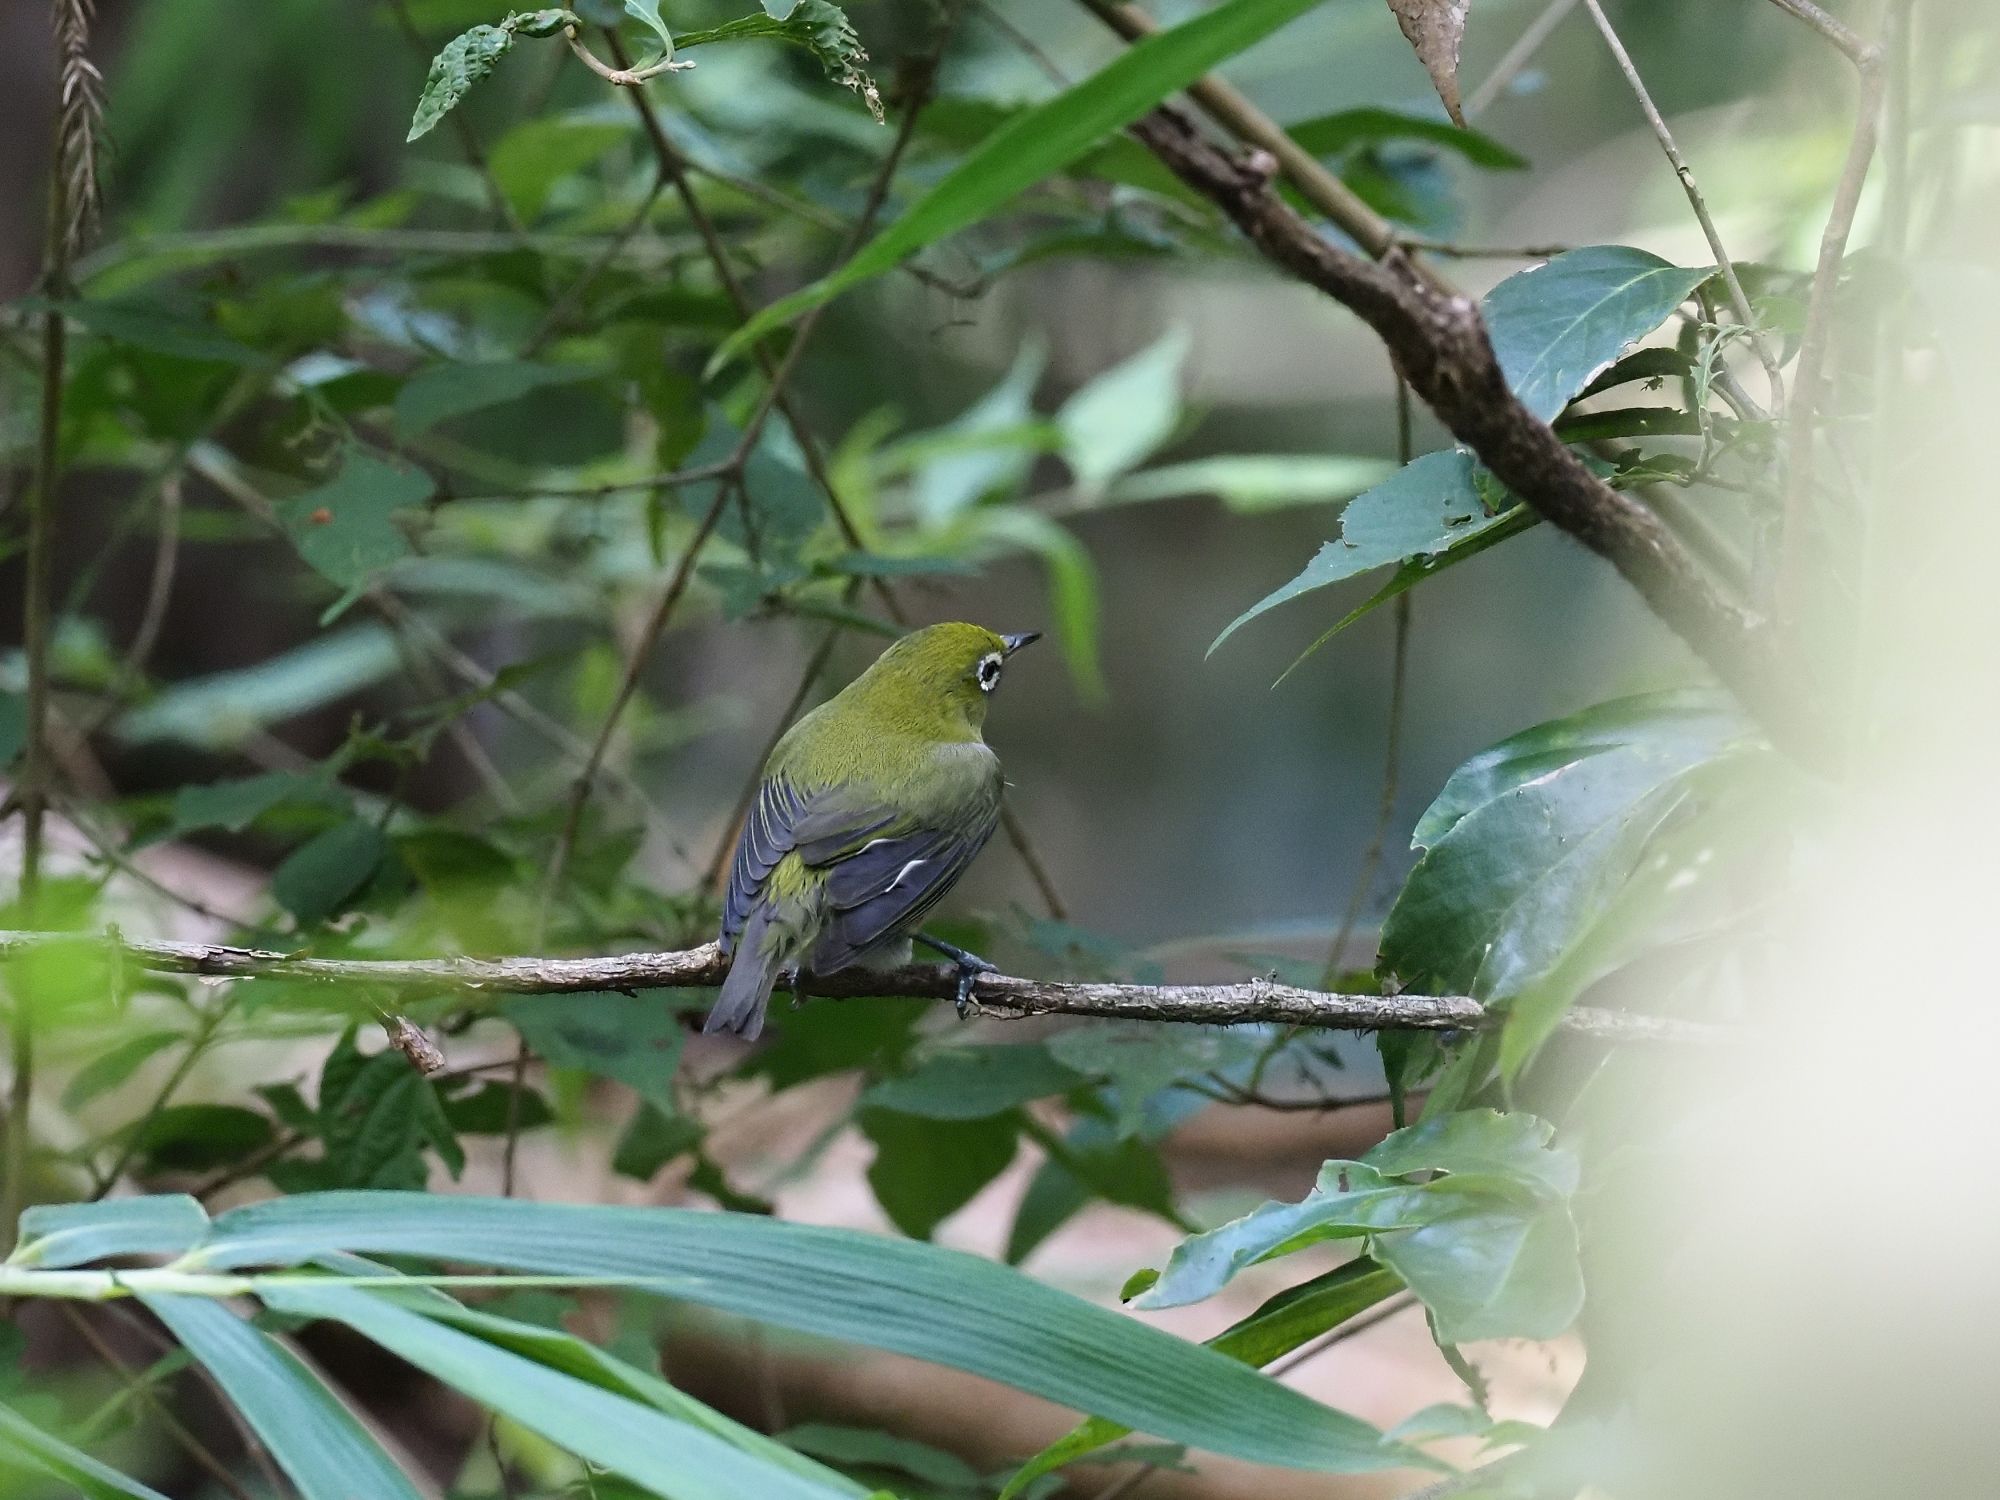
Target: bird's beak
point(1014, 643)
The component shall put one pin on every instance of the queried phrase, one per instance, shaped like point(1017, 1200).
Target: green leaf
point(969, 1083)
point(1116, 421)
point(531, 158)
point(968, 469)
point(195, 1137)
point(222, 710)
point(13, 726)
point(1529, 843)
point(455, 390)
point(1558, 325)
point(1038, 143)
point(648, 12)
point(71, 1465)
point(487, 1109)
point(926, 1170)
point(1138, 1059)
point(159, 329)
point(672, 1458)
point(898, 1295)
point(564, 1352)
point(237, 803)
point(632, 1039)
point(319, 878)
point(1489, 1246)
point(470, 57)
point(316, 1440)
point(654, 1138)
point(109, 1069)
point(1251, 483)
point(865, 1448)
point(1285, 1322)
point(1425, 509)
point(346, 528)
point(59, 1235)
point(816, 25)
point(1327, 135)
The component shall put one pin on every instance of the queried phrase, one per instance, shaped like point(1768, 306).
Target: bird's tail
point(747, 989)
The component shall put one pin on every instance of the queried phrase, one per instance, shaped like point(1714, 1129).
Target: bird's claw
point(969, 970)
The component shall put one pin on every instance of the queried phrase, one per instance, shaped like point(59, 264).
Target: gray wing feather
point(819, 825)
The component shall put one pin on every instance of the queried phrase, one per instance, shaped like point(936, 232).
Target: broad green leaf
point(470, 57)
point(1696, 719)
point(530, 159)
point(114, 1066)
point(1531, 842)
point(1326, 135)
point(52, 1455)
point(315, 1439)
point(926, 1170)
point(319, 878)
point(899, 1295)
point(968, 1083)
point(195, 1137)
point(1038, 143)
point(235, 804)
point(632, 1039)
point(346, 528)
point(1489, 1246)
point(456, 390)
point(1117, 420)
point(1094, 1161)
point(159, 329)
point(1138, 1060)
point(13, 726)
point(1425, 509)
point(1253, 482)
point(222, 710)
point(1555, 327)
point(652, 1139)
point(674, 1459)
point(1287, 1321)
point(59, 1235)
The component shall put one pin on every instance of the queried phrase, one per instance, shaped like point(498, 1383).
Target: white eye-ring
point(989, 672)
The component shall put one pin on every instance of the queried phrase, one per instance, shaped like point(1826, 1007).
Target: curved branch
point(1439, 341)
point(704, 968)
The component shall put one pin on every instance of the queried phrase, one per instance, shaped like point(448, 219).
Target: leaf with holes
point(347, 529)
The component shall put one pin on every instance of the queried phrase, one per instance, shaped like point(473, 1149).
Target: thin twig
point(136, 1385)
point(622, 76)
point(1360, 1323)
point(1259, 1000)
point(1517, 57)
point(1739, 303)
point(552, 320)
point(135, 1136)
point(1392, 751)
point(1801, 413)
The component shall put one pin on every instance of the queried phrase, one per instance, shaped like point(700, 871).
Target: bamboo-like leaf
point(1037, 143)
point(929, 1303)
point(316, 1440)
point(51, 1454)
point(55, 1235)
point(671, 1458)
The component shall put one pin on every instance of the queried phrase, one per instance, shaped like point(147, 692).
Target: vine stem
point(1739, 303)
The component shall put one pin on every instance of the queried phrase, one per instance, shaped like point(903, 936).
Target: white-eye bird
point(870, 808)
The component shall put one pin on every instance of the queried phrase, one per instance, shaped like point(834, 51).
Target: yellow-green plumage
point(870, 809)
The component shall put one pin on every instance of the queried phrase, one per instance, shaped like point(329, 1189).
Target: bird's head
point(945, 673)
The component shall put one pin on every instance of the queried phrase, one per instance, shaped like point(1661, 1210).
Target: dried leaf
point(1435, 28)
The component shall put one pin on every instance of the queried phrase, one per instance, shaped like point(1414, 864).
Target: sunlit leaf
point(1118, 419)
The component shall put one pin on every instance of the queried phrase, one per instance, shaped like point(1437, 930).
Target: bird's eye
point(989, 672)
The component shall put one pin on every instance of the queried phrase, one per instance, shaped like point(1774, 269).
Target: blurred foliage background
point(401, 489)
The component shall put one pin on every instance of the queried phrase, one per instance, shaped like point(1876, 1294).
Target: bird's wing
point(819, 824)
point(885, 888)
point(885, 868)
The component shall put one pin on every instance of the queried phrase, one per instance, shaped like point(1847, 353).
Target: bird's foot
point(970, 967)
point(798, 985)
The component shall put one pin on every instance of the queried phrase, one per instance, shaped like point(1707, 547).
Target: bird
point(868, 811)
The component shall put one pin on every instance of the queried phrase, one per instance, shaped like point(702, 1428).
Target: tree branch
point(1439, 341)
point(704, 968)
